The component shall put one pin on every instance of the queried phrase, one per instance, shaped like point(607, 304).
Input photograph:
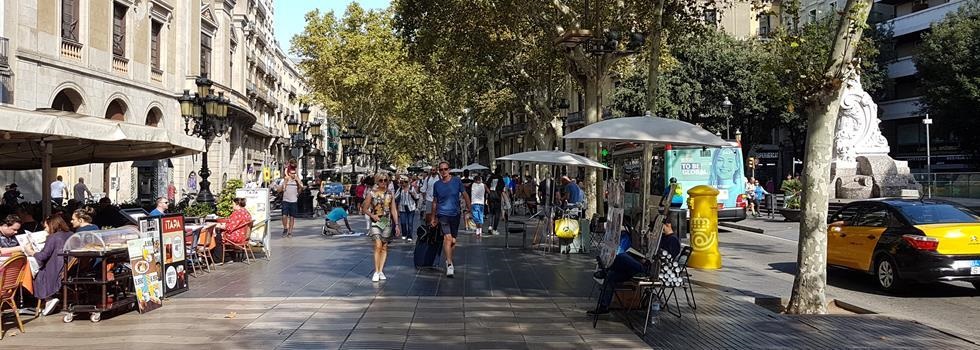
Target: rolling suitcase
point(428, 245)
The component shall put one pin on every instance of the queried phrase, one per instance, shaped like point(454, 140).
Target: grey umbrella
point(553, 157)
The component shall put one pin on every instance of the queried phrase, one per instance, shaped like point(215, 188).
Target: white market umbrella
point(647, 130)
point(452, 171)
point(475, 166)
point(553, 157)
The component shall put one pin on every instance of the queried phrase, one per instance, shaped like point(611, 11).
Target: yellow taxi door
point(841, 223)
point(863, 237)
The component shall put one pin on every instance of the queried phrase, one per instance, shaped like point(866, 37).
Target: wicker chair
point(11, 278)
point(244, 247)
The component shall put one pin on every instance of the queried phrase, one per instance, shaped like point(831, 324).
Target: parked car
point(906, 240)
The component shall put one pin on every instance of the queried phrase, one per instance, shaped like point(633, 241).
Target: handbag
point(566, 228)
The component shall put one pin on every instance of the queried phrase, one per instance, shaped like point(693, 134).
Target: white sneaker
point(49, 306)
point(376, 277)
point(381, 276)
point(449, 271)
point(404, 238)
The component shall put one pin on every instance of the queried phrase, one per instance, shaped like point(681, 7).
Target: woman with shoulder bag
point(407, 201)
point(379, 206)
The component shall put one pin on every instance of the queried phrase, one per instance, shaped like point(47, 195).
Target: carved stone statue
point(861, 167)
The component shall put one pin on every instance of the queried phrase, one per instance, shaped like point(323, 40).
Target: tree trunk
point(591, 110)
point(653, 71)
point(809, 287)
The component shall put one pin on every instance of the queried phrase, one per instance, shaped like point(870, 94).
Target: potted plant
point(198, 210)
point(792, 190)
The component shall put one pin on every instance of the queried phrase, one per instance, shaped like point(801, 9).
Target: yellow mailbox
point(703, 203)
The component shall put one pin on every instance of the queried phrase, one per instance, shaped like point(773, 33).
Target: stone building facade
point(128, 60)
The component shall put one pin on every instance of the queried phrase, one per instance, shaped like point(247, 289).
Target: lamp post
point(209, 113)
point(562, 108)
point(927, 122)
point(304, 135)
point(727, 105)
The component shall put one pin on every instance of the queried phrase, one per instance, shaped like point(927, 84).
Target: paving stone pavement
point(315, 293)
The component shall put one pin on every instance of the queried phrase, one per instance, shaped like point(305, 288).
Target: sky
point(290, 13)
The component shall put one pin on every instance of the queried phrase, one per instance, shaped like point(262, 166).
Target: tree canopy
point(950, 74)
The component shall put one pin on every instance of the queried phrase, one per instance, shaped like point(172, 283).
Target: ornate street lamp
point(727, 105)
point(303, 136)
point(209, 113)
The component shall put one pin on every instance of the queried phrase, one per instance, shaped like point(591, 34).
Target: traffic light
point(751, 162)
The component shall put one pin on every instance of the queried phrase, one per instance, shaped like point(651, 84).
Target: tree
point(359, 70)
point(809, 286)
point(949, 73)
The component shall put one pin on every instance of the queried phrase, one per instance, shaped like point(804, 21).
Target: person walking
point(80, 190)
point(478, 192)
point(290, 188)
point(406, 197)
point(58, 191)
point(379, 206)
point(494, 193)
point(446, 206)
point(427, 184)
point(758, 195)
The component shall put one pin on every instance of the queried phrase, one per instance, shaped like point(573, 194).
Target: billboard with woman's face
point(720, 168)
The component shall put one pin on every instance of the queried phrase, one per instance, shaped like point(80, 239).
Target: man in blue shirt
point(573, 194)
point(446, 206)
point(162, 204)
point(331, 224)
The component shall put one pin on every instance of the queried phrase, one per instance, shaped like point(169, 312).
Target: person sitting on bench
point(627, 265)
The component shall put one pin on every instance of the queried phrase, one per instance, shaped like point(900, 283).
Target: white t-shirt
point(290, 191)
point(57, 189)
point(479, 193)
point(429, 185)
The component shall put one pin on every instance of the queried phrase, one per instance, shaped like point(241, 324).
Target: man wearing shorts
point(446, 206)
point(290, 196)
point(332, 224)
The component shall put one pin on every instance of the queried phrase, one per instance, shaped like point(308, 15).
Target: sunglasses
point(383, 180)
point(443, 169)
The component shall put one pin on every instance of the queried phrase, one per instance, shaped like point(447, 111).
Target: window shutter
point(155, 45)
point(119, 31)
point(69, 20)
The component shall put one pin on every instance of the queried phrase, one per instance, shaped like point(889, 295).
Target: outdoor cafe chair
point(11, 278)
point(245, 247)
point(191, 249)
point(206, 243)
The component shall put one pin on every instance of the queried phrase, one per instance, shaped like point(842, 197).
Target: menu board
point(257, 204)
point(144, 259)
point(172, 254)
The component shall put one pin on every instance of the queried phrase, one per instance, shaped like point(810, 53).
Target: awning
point(79, 139)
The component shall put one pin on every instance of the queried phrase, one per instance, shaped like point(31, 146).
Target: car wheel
point(886, 274)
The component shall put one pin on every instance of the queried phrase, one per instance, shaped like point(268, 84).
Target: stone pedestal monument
point(861, 167)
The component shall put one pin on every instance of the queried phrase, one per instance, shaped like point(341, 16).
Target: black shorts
point(289, 209)
point(449, 225)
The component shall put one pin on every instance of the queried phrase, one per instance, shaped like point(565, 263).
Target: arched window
point(153, 117)
point(67, 100)
point(116, 110)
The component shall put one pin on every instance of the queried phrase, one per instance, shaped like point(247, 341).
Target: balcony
point(901, 108)
point(71, 50)
point(4, 46)
point(902, 67)
point(120, 65)
point(921, 20)
point(513, 129)
point(250, 89)
point(156, 75)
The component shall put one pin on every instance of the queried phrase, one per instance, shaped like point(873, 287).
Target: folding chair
point(682, 260)
point(190, 249)
point(520, 227)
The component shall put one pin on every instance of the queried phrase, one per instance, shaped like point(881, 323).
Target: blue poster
point(720, 168)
